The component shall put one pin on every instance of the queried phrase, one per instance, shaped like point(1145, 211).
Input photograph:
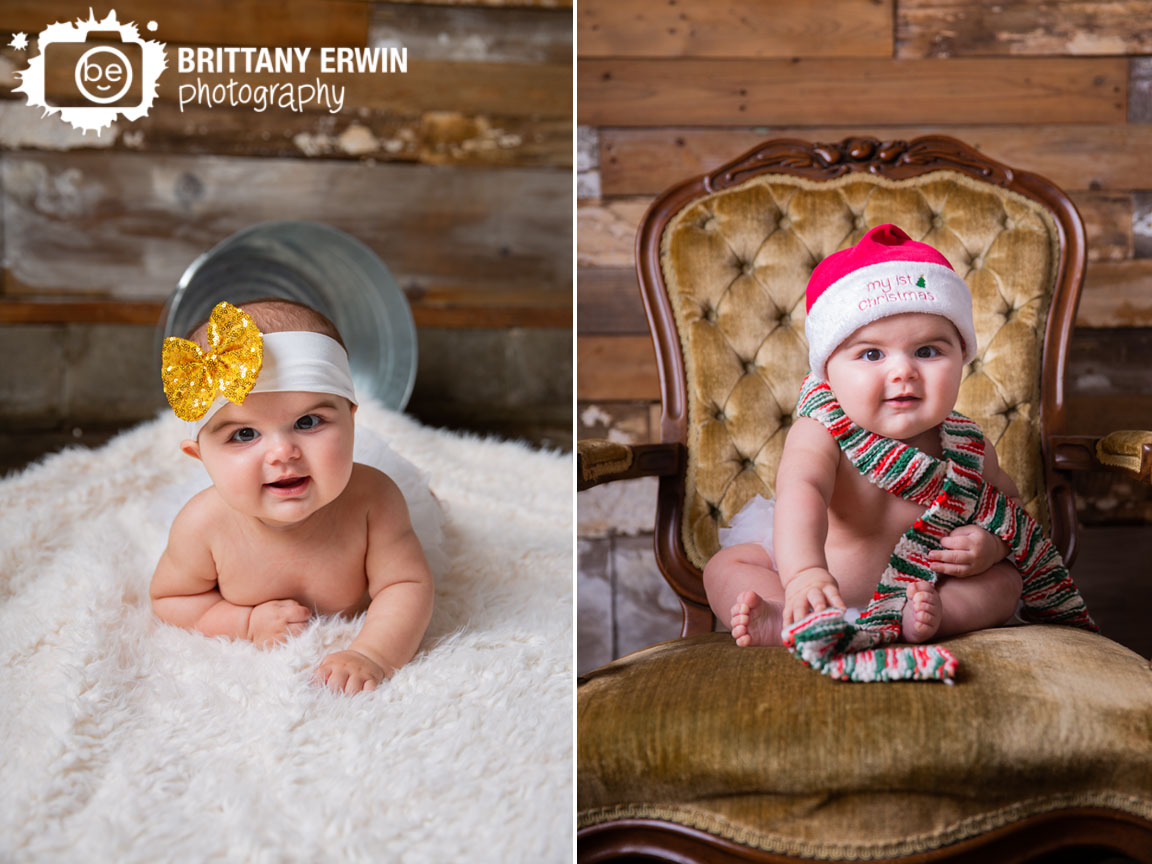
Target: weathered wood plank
point(964, 28)
point(1073, 156)
point(126, 226)
point(616, 368)
point(1111, 362)
point(48, 311)
point(606, 231)
point(1018, 90)
point(508, 35)
point(214, 22)
point(1108, 223)
point(1142, 224)
point(608, 301)
point(527, 4)
point(739, 28)
point(432, 138)
point(82, 312)
point(1140, 90)
point(1116, 295)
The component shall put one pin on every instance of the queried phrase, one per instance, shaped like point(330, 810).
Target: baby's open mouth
point(903, 400)
point(287, 485)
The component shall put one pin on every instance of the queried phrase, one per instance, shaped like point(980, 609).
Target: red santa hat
point(886, 273)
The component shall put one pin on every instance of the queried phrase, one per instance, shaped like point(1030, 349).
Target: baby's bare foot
point(922, 613)
point(756, 621)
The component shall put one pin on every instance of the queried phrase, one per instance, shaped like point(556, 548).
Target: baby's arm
point(804, 486)
point(401, 589)
point(970, 550)
point(184, 590)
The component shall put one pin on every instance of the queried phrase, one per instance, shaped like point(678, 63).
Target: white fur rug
point(125, 740)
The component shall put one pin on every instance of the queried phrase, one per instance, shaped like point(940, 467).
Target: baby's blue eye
point(308, 421)
point(927, 351)
point(245, 436)
point(872, 354)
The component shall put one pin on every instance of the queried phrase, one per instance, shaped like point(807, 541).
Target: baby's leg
point(744, 589)
point(978, 602)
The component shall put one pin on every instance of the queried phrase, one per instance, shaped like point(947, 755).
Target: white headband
point(295, 360)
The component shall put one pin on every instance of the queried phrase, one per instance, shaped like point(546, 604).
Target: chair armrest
point(1128, 450)
point(600, 461)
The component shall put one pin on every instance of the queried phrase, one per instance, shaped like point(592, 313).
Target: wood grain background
point(457, 173)
point(668, 91)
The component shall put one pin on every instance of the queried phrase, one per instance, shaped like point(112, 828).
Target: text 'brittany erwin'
point(251, 59)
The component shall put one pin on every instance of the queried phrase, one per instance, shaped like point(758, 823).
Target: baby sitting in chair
point(890, 330)
point(291, 525)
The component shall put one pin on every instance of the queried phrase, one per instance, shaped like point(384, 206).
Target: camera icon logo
point(94, 72)
point(103, 70)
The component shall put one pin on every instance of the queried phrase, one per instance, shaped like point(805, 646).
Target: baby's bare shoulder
point(806, 432)
point(810, 443)
point(371, 481)
point(187, 564)
point(203, 514)
point(373, 490)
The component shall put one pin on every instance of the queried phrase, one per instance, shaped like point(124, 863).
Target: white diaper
point(753, 524)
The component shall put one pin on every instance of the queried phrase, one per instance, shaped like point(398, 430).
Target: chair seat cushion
point(749, 745)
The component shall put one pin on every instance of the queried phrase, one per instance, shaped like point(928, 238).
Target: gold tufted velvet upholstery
point(736, 264)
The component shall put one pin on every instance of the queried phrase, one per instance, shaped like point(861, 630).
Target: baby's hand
point(967, 551)
point(810, 591)
point(348, 672)
point(272, 621)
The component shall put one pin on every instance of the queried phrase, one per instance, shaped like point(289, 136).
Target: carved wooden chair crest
point(698, 750)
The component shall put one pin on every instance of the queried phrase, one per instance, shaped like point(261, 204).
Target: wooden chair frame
point(1083, 829)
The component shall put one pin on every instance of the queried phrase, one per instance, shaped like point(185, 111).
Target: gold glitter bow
point(193, 379)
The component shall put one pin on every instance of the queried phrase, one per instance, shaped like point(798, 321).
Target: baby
point(892, 348)
point(291, 527)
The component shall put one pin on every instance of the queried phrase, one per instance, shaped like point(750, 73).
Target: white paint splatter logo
point(92, 72)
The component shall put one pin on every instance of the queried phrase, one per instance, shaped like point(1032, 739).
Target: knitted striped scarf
point(954, 493)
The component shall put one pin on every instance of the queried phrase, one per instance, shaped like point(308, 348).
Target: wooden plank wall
point(457, 173)
point(672, 90)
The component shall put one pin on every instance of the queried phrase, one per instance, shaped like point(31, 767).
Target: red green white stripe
point(955, 494)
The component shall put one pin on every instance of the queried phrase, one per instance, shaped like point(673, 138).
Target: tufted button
point(976, 365)
point(708, 313)
point(861, 223)
point(708, 223)
point(785, 320)
point(978, 262)
point(1010, 413)
point(785, 223)
point(749, 367)
point(713, 511)
point(719, 414)
point(747, 464)
point(785, 419)
point(747, 268)
point(1009, 223)
point(937, 221)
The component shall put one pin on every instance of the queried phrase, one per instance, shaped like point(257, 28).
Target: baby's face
point(899, 376)
point(279, 457)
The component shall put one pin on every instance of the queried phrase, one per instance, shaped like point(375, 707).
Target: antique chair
point(696, 750)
